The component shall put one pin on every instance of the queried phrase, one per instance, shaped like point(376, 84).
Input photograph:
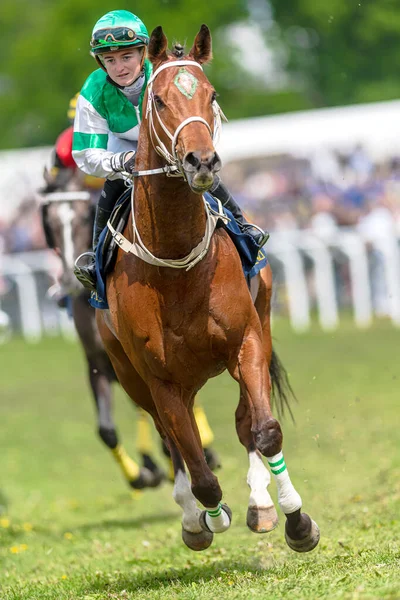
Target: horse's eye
point(213, 96)
point(159, 103)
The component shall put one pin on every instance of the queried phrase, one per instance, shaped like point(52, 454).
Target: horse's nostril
point(215, 163)
point(192, 161)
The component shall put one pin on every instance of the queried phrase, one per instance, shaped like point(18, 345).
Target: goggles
point(116, 35)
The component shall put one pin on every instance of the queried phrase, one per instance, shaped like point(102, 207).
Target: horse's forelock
point(178, 50)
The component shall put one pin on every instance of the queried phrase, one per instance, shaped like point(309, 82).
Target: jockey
point(108, 116)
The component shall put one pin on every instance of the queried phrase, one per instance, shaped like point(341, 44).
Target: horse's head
point(181, 109)
point(68, 222)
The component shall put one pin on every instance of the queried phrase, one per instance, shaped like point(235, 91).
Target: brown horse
point(180, 309)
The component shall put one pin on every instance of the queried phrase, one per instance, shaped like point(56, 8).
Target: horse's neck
point(170, 218)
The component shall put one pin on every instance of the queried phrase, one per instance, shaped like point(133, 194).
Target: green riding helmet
point(116, 30)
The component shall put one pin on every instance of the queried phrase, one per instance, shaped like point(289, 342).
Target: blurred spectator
point(25, 230)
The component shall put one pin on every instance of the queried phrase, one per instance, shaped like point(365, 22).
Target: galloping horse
point(67, 216)
point(180, 311)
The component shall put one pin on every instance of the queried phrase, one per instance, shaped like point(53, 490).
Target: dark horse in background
point(180, 311)
point(67, 216)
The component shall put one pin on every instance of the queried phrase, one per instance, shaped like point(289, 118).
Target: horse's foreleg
point(193, 535)
point(206, 437)
point(261, 514)
point(180, 426)
point(263, 307)
point(251, 371)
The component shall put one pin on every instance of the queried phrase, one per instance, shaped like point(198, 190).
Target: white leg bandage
point(289, 500)
point(184, 497)
point(217, 520)
point(258, 479)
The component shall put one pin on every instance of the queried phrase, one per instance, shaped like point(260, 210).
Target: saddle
point(107, 246)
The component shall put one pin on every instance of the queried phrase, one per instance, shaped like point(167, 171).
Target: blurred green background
point(270, 56)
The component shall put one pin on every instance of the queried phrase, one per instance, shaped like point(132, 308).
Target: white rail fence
point(24, 302)
point(321, 270)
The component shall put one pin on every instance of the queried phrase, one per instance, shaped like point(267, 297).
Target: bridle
point(174, 167)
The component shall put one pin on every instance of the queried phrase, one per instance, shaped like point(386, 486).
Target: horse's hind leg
point(145, 445)
point(251, 371)
point(206, 436)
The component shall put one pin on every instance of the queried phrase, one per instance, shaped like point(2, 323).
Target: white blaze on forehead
point(186, 83)
point(66, 215)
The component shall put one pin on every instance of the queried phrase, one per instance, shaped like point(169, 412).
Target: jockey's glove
point(123, 161)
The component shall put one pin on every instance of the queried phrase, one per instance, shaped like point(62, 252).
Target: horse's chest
point(181, 340)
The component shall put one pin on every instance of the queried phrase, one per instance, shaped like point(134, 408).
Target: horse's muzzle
point(200, 168)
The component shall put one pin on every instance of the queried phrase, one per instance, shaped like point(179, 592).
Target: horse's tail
point(281, 393)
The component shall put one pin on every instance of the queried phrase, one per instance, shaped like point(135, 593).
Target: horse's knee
point(109, 437)
point(269, 438)
point(207, 490)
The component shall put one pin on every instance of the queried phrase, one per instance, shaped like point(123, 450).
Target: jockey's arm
point(90, 143)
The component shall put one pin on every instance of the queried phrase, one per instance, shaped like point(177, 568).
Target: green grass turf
point(70, 528)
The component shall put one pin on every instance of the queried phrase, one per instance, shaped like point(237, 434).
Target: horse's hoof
point(262, 519)
point(158, 477)
point(308, 543)
point(158, 474)
point(147, 479)
point(197, 541)
point(203, 522)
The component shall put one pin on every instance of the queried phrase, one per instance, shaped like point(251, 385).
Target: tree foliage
point(331, 53)
point(45, 55)
point(341, 52)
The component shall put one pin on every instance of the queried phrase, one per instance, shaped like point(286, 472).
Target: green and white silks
point(106, 122)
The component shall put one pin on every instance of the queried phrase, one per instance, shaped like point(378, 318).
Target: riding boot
point(220, 191)
point(86, 274)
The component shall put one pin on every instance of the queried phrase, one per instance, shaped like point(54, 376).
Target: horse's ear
point(158, 45)
point(201, 50)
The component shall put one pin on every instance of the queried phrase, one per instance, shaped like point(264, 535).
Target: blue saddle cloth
point(253, 259)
